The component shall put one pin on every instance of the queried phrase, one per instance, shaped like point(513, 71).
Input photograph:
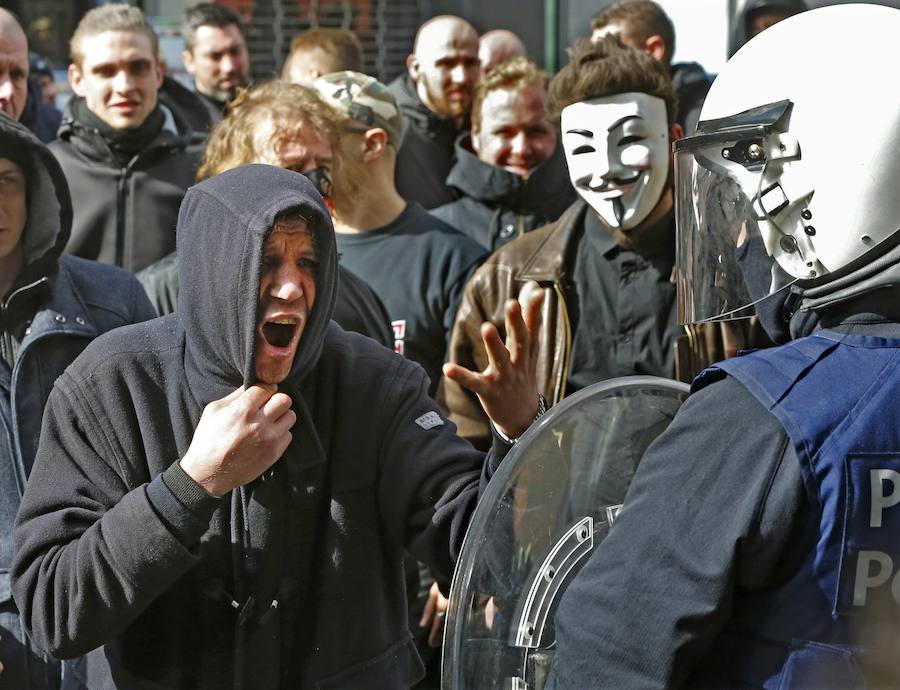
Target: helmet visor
point(725, 199)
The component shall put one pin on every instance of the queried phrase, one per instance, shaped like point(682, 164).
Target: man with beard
point(53, 306)
point(435, 97)
point(222, 497)
point(127, 159)
point(289, 126)
point(215, 55)
point(605, 266)
point(417, 264)
point(510, 171)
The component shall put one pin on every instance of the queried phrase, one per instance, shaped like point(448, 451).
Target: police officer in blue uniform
point(759, 544)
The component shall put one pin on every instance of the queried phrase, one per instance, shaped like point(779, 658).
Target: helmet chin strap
point(883, 271)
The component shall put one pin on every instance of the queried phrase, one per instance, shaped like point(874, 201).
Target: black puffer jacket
point(111, 558)
point(496, 205)
point(426, 154)
point(125, 215)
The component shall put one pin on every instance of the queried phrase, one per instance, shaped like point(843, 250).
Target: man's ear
point(160, 72)
point(676, 132)
point(656, 47)
point(412, 66)
point(75, 79)
point(187, 58)
point(375, 141)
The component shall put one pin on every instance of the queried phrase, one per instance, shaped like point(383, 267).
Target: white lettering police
point(875, 568)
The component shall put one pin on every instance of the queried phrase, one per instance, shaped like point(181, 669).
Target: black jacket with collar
point(496, 205)
point(426, 154)
point(125, 216)
point(112, 558)
point(55, 307)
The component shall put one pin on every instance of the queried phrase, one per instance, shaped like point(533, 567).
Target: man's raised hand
point(238, 438)
point(508, 388)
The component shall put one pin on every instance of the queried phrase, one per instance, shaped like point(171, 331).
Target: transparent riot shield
point(548, 506)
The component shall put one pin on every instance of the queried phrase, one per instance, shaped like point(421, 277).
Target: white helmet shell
point(841, 163)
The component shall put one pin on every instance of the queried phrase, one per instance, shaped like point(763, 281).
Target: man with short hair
point(221, 496)
point(644, 25)
point(215, 54)
point(20, 94)
point(417, 264)
point(54, 305)
point(128, 159)
point(605, 265)
point(499, 45)
point(510, 172)
point(435, 97)
point(321, 51)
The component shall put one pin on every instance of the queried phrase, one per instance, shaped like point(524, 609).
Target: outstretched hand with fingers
point(508, 388)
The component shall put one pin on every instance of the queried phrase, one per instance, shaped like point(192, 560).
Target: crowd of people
point(262, 346)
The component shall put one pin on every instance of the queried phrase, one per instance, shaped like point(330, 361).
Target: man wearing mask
point(53, 306)
point(757, 546)
point(435, 97)
point(605, 266)
point(215, 55)
point(510, 172)
point(127, 159)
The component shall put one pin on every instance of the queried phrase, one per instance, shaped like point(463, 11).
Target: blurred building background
point(386, 27)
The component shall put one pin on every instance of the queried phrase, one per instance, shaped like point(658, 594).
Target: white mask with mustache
point(617, 151)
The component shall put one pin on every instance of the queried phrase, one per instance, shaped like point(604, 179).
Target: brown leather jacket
point(541, 256)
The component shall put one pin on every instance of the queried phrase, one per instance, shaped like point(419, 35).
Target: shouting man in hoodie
point(223, 496)
point(53, 306)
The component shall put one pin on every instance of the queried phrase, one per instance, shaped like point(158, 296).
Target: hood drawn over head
point(49, 204)
point(222, 228)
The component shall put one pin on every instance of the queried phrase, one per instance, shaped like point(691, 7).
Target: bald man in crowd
point(499, 46)
point(20, 95)
point(435, 97)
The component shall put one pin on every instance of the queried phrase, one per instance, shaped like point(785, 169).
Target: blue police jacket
point(837, 618)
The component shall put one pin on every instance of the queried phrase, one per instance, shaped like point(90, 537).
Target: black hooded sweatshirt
point(111, 551)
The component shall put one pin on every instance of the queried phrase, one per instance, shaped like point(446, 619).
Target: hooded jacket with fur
point(292, 581)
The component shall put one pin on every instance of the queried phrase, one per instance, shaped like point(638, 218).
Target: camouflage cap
point(365, 100)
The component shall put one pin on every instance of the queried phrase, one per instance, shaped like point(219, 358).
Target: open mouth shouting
point(277, 338)
point(280, 332)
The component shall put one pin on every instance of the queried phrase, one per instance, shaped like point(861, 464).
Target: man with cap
point(223, 496)
point(417, 264)
point(53, 306)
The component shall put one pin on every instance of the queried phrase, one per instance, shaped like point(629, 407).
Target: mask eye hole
point(584, 148)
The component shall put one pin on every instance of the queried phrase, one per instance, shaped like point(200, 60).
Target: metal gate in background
point(385, 28)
